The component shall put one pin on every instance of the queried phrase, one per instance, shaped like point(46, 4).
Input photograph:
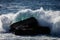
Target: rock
point(28, 27)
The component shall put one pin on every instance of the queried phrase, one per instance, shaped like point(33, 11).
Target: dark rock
point(28, 27)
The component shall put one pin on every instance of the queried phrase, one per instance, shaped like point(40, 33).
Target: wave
point(48, 18)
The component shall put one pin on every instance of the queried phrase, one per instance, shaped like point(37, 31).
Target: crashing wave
point(48, 18)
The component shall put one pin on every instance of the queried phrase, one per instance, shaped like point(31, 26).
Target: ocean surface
point(47, 12)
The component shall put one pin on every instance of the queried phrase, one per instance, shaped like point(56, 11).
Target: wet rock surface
point(28, 27)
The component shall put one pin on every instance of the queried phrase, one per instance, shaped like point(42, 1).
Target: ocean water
point(47, 12)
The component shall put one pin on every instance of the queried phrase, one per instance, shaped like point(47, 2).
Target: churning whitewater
point(48, 18)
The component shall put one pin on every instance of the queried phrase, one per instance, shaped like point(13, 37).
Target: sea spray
point(5, 22)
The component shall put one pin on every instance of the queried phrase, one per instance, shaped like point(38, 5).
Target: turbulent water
point(47, 13)
point(48, 18)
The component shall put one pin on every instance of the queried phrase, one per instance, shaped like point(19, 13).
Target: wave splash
point(48, 18)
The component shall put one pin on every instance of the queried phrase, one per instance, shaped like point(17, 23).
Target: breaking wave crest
point(48, 18)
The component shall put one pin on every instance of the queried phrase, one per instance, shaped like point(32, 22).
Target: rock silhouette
point(28, 27)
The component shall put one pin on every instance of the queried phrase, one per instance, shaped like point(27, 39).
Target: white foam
point(5, 22)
